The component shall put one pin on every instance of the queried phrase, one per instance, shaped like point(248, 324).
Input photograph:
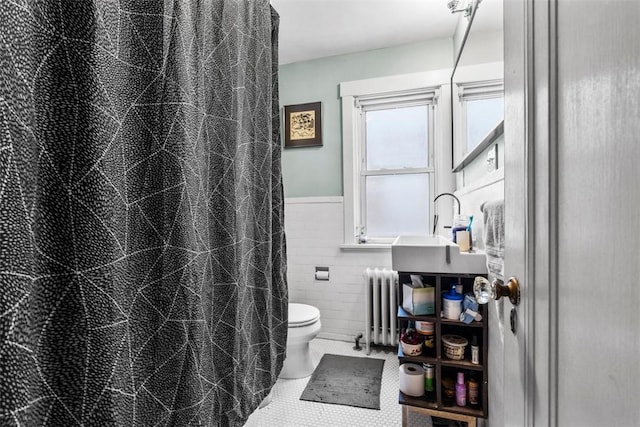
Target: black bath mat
point(345, 380)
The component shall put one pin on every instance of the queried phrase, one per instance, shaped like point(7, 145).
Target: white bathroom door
point(572, 102)
point(531, 213)
point(514, 397)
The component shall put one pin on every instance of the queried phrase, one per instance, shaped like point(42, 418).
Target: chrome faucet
point(435, 216)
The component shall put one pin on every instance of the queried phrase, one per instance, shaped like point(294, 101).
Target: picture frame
point(303, 125)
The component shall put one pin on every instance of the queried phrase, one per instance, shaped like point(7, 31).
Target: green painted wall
point(317, 171)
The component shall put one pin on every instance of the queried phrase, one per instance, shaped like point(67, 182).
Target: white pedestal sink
point(434, 254)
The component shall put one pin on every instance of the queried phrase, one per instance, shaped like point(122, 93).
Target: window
point(389, 133)
point(395, 178)
point(482, 116)
point(396, 139)
point(480, 107)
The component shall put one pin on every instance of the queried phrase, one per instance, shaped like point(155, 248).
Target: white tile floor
point(287, 410)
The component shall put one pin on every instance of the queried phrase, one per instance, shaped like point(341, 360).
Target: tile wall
point(314, 227)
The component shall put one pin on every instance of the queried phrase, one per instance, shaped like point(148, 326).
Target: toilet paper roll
point(412, 379)
point(322, 275)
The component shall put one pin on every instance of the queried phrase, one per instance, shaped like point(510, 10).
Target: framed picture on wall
point(303, 125)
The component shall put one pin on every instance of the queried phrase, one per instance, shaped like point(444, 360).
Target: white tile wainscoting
point(314, 228)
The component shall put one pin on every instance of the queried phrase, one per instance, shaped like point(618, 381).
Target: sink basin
point(422, 241)
point(434, 254)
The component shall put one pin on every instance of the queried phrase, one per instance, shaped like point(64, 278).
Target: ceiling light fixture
point(453, 7)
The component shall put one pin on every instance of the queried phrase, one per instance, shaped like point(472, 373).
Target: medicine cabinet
point(477, 90)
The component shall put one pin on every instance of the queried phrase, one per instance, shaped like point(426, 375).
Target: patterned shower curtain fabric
point(142, 252)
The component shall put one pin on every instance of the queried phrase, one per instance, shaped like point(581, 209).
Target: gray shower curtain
point(142, 252)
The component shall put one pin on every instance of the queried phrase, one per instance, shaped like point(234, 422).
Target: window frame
point(436, 82)
point(425, 98)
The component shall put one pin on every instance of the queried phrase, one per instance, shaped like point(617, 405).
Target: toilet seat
point(302, 315)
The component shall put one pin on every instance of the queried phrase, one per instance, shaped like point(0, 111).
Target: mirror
point(462, 28)
point(477, 91)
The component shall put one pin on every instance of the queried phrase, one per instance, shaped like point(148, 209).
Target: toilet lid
point(302, 315)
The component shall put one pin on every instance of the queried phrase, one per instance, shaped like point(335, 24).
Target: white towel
point(493, 236)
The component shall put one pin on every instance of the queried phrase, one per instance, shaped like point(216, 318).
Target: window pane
point(482, 116)
point(397, 204)
point(397, 138)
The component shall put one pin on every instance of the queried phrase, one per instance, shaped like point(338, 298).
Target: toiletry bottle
point(452, 303)
point(461, 390)
point(475, 351)
point(429, 379)
point(474, 390)
point(460, 223)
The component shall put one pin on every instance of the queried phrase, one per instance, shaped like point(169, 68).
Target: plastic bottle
point(475, 351)
point(474, 390)
point(461, 391)
point(452, 303)
point(429, 374)
point(460, 223)
point(459, 287)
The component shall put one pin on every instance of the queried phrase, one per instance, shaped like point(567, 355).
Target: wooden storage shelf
point(444, 367)
point(404, 314)
point(473, 324)
point(462, 364)
point(423, 358)
point(421, 402)
point(466, 410)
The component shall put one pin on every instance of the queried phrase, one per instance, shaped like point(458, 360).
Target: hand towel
point(493, 236)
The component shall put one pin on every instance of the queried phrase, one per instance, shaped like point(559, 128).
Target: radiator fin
point(381, 299)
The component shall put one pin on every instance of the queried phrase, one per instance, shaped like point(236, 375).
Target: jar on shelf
point(452, 304)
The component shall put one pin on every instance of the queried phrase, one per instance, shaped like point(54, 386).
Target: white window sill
point(365, 246)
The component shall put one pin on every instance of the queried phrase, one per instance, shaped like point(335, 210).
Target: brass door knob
point(484, 290)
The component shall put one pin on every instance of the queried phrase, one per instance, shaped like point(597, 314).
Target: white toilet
point(304, 325)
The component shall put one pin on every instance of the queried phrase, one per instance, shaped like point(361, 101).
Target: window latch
point(362, 237)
